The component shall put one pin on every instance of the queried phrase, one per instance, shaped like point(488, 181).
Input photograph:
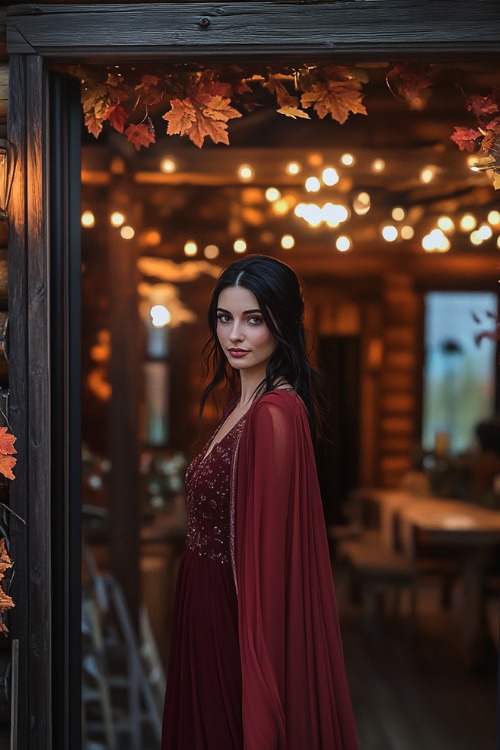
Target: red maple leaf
point(465, 138)
point(117, 117)
point(482, 105)
point(140, 135)
point(7, 441)
point(410, 81)
point(7, 463)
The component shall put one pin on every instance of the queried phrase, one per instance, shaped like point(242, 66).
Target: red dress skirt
point(203, 701)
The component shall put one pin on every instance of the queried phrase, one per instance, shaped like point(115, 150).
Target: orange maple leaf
point(218, 108)
point(140, 135)
point(293, 112)
point(205, 126)
point(6, 441)
point(7, 463)
point(93, 124)
point(181, 117)
point(335, 98)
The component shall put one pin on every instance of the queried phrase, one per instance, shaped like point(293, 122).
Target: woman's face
point(242, 331)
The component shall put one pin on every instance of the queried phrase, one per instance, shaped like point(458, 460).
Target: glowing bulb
point(389, 233)
point(312, 185)
point(299, 210)
point(239, 245)
point(330, 176)
point(245, 172)
point(160, 316)
point(127, 232)
point(398, 213)
point(485, 232)
point(168, 165)
point(312, 214)
point(494, 217)
point(428, 243)
point(334, 214)
point(211, 252)
point(272, 194)
point(343, 243)
point(293, 168)
point(88, 219)
point(153, 237)
point(287, 242)
point(117, 219)
point(427, 174)
point(378, 165)
point(315, 160)
point(407, 232)
point(498, 242)
point(361, 204)
point(475, 238)
point(190, 248)
point(472, 163)
point(446, 224)
point(347, 160)
point(467, 222)
point(281, 207)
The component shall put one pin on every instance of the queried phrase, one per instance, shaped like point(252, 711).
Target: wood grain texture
point(30, 402)
point(360, 29)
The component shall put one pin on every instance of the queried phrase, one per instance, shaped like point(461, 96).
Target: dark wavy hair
point(277, 290)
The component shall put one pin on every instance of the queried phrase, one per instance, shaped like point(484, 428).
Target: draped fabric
point(294, 687)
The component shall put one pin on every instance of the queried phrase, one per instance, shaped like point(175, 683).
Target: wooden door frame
point(342, 31)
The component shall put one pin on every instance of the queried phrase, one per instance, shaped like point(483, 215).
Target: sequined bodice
point(208, 490)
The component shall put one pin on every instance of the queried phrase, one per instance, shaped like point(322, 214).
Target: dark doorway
point(339, 358)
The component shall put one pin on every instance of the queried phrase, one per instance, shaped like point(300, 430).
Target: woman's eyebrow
point(245, 312)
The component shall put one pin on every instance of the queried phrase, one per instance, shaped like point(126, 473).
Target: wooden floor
point(415, 691)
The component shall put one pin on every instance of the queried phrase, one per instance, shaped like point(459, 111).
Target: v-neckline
point(211, 445)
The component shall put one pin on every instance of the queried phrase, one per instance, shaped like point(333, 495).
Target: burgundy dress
point(203, 702)
point(256, 655)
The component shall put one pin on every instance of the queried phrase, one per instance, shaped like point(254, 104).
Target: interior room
point(394, 230)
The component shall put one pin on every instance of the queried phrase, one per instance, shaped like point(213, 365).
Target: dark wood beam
point(355, 30)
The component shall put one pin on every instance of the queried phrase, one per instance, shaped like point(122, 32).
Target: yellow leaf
point(293, 112)
point(181, 117)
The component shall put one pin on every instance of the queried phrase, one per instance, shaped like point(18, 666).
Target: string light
point(361, 204)
point(190, 248)
point(245, 172)
point(211, 252)
point(475, 238)
point(272, 194)
point(389, 233)
point(407, 232)
point(239, 245)
point(343, 243)
point(467, 222)
point(398, 213)
point(498, 242)
point(494, 218)
point(160, 316)
point(485, 232)
point(127, 232)
point(378, 165)
point(330, 176)
point(347, 160)
point(427, 174)
point(445, 224)
point(287, 242)
point(281, 207)
point(293, 168)
point(88, 219)
point(315, 160)
point(312, 185)
point(117, 219)
point(168, 165)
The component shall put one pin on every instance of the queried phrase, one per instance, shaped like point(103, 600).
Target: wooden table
point(470, 530)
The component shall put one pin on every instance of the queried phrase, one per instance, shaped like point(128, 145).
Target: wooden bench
point(377, 570)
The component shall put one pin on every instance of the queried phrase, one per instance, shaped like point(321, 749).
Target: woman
point(256, 658)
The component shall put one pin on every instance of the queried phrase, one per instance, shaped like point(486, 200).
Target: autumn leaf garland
point(199, 104)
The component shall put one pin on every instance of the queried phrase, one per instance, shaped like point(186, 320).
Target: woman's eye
point(255, 320)
point(223, 318)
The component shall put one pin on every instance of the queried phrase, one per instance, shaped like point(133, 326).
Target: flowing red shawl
point(295, 693)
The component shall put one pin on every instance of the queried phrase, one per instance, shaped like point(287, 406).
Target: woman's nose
point(236, 333)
